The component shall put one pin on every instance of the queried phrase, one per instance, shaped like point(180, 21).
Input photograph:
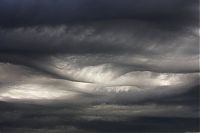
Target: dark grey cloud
point(123, 43)
point(29, 117)
point(51, 12)
point(107, 37)
point(99, 66)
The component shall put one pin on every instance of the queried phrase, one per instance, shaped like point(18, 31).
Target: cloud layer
point(85, 66)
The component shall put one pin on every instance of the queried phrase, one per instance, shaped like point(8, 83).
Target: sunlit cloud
point(35, 92)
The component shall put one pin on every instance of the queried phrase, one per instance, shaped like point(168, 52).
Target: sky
point(99, 66)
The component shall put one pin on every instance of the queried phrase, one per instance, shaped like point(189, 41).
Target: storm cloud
point(51, 12)
point(99, 66)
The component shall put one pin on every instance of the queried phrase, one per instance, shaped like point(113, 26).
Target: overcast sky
point(99, 66)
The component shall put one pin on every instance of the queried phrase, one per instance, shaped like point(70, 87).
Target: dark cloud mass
point(54, 12)
point(99, 66)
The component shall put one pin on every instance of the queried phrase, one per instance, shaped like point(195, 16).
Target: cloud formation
point(85, 66)
point(50, 12)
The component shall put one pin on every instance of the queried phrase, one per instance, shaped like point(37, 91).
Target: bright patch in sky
point(35, 92)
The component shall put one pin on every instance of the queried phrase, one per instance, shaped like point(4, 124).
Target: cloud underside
point(84, 66)
point(90, 93)
point(49, 12)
